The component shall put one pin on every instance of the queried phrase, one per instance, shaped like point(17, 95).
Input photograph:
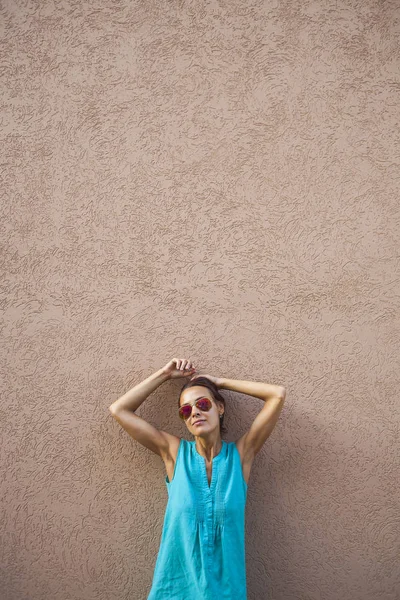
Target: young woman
point(202, 548)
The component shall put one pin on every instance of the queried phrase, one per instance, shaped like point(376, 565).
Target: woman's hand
point(216, 380)
point(179, 367)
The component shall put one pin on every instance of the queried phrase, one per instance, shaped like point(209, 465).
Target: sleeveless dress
point(202, 547)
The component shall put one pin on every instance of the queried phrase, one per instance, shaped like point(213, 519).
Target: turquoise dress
point(202, 548)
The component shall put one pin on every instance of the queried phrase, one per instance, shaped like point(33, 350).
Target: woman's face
point(209, 419)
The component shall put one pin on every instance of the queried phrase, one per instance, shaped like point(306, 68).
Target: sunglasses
point(203, 404)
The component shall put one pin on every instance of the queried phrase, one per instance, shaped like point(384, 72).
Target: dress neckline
point(215, 457)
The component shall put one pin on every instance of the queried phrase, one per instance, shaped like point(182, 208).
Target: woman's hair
point(205, 382)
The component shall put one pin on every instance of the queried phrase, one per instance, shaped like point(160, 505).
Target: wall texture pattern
point(215, 180)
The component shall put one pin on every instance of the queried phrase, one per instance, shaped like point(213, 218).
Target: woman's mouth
point(198, 423)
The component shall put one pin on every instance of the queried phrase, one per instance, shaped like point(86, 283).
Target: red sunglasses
point(203, 404)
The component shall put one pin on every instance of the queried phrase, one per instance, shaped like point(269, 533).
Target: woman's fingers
point(183, 364)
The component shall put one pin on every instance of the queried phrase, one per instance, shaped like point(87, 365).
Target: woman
point(202, 548)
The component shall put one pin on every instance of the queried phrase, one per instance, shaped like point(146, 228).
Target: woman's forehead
point(190, 395)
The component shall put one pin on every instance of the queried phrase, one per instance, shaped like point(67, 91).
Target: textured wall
point(217, 181)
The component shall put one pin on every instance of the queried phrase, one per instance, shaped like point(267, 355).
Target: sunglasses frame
point(180, 411)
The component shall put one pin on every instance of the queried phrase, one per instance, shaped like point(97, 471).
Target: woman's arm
point(274, 397)
point(123, 409)
point(138, 394)
point(264, 391)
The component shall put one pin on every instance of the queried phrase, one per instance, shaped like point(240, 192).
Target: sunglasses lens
point(203, 404)
point(185, 412)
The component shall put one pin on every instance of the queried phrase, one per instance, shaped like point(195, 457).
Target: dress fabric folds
point(202, 548)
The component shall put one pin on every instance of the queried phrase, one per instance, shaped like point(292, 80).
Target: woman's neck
point(209, 449)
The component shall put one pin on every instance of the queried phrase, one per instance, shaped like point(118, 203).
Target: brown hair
point(205, 382)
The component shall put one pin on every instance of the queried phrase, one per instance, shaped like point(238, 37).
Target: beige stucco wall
point(219, 181)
